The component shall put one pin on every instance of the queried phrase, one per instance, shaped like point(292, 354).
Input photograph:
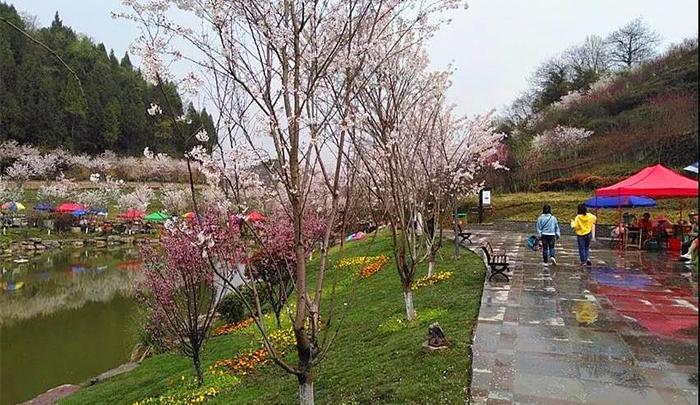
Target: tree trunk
point(408, 299)
point(198, 368)
point(431, 265)
point(306, 393)
point(456, 231)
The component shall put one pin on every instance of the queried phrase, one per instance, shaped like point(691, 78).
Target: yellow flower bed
point(372, 264)
point(184, 391)
point(426, 281)
point(282, 339)
point(356, 261)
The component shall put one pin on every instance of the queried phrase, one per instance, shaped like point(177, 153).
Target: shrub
point(231, 308)
point(63, 222)
point(545, 186)
point(34, 218)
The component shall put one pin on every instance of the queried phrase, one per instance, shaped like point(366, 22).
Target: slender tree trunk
point(456, 230)
point(408, 300)
point(198, 368)
point(431, 264)
point(306, 392)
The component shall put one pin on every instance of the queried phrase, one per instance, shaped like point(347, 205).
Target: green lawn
point(375, 358)
point(528, 206)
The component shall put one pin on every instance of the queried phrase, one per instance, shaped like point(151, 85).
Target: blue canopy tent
point(625, 201)
point(98, 211)
point(79, 213)
point(692, 168)
point(43, 206)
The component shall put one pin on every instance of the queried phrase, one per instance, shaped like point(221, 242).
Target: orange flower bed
point(231, 327)
point(373, 267)
point(245, 363)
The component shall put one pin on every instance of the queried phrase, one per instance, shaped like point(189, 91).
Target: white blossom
point(154, 110)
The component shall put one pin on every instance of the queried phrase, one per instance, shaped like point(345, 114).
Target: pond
point(65, 317)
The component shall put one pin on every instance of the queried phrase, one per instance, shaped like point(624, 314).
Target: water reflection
point(65, 280)
point(652, 290)
point(72, 319)
point(586, 312)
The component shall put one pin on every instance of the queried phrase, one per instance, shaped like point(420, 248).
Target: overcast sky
point(494, 45)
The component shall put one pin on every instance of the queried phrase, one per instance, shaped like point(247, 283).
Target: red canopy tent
point(655, 182)
point(69, 207)
point(132, 214)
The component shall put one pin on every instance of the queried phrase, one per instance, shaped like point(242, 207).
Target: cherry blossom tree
point(179, 289)
point(140, 198)
point(560, 141)
point(59, 190)
point(174, 199)
point(418, 155)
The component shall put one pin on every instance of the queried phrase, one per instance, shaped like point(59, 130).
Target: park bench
point(497, 263)
point(462, 235)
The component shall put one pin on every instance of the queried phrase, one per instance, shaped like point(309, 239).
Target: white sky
point(494, 45)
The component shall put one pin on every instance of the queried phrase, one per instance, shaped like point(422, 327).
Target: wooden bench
point(497, 263)
point(463, 235)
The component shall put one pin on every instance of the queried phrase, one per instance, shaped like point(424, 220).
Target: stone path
point(624, 331)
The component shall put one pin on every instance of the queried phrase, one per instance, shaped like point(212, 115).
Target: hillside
point(625, 120)
point(41, 103)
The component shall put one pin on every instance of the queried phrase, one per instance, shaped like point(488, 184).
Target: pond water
point(65, 317)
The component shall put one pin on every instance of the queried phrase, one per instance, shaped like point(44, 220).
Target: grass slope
point(528, 206)
point(375, 358)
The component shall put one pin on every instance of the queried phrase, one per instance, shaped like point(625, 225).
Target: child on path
point(584, 226)
point(548, 232)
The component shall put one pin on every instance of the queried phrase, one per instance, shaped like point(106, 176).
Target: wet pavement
point(624, 331)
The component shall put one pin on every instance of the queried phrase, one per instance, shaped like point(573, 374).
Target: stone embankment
point(28, 248)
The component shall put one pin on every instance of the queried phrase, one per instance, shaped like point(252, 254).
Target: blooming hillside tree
point(140, 198)
point(560, 141)
point(180, 290)
point(175, 199)
point(59, 190)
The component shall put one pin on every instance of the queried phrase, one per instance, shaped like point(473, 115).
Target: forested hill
point(41, 102)
point(596, 113)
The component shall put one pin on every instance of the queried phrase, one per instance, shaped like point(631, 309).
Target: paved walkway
point(624, 331)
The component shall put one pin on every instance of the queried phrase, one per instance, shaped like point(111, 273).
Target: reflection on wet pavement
point(624, 331)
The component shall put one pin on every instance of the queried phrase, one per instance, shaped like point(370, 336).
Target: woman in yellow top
point(584, 226)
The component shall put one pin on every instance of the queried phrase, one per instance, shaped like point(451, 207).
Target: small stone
point(436, 339)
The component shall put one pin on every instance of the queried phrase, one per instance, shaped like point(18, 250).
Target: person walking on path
point(584, 226)
point(548, 232)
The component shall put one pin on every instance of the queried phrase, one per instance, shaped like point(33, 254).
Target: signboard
point(485, 197)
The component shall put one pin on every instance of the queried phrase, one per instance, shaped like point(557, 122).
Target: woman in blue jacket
point(548, 232)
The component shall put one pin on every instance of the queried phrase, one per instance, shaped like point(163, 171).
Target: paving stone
point(622, 331)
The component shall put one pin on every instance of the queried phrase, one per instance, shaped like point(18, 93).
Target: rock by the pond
point(53, 395)
point(77, 243)
point(126, 367)
point(113, 239)
point(53, 244)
